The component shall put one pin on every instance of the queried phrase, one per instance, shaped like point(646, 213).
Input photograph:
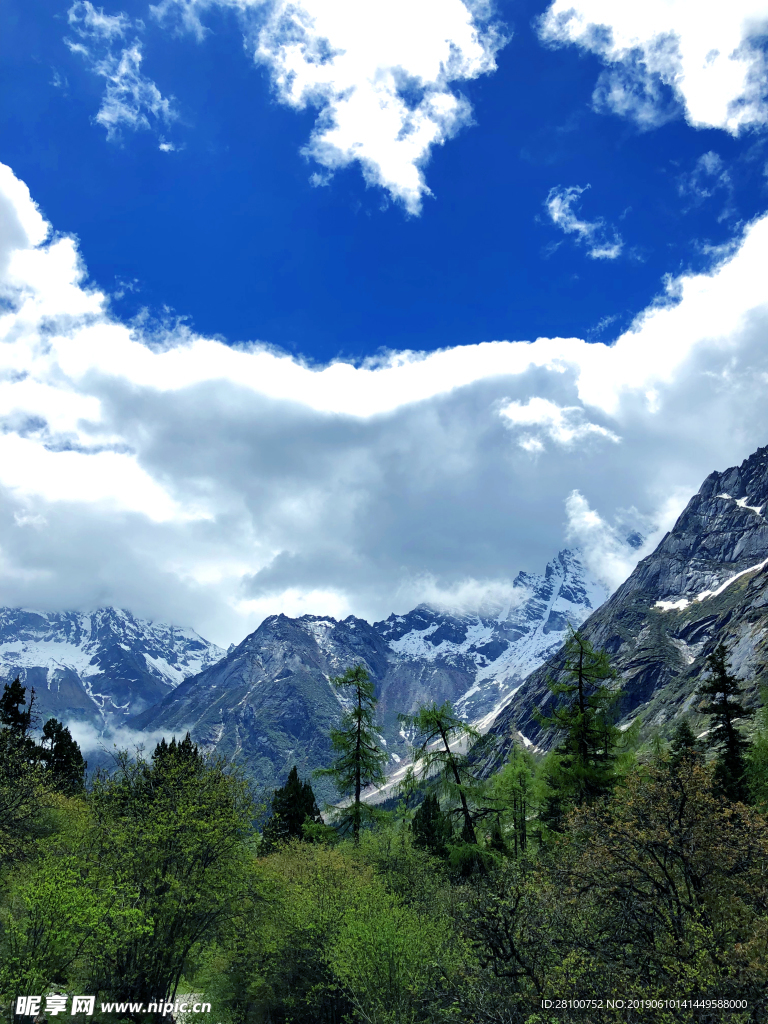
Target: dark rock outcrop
point(706, 583)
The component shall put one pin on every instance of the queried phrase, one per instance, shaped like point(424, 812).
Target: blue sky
point(587, 176)
point(228, 231)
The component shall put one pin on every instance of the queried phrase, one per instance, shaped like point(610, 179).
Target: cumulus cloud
point(610, 550)
point(604, 243)
point(131, 100)
point(380, 73)
point(563, 426)
point(664, 57)
point(210, 485)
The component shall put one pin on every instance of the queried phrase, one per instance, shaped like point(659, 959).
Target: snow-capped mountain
point(498, 647)
point(269, 703)
point(97, 667)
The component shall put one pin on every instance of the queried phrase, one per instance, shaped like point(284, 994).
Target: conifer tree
point(583, 768)
point(17, 718)
point(63, 758)
point(359, 761)
point(684, 743)
point(431, 827)
point(724, 692)
point(293, 805)
point(438, 730)
point(757, 757)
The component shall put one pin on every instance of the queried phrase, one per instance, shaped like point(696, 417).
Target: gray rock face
point(97, 667)
point(706, 583)
point(269, 703)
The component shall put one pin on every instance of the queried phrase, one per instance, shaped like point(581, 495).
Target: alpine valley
point(268, 703)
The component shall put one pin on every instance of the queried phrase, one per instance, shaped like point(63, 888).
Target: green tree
point(22, 777)
point(512, 792)
point(757, 757)
point(62, 757)
point(584, 766)
point(439, 732)
point(431, 827)
point(12, 701)
point(173, 832)
point(724, 705)
point(684, 743)
point(293, 806)
point(359, 761)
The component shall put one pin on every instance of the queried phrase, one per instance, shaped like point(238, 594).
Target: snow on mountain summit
point(500, 647)
point(97, 666)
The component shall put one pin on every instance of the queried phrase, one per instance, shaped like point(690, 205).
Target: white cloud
point(210, 485)
point(564, 426)
point(708, 178)
point(604, 244)
point(610, 550)
point(88, 20)
point(381, 74)
point(131, 100)
point(664, 56)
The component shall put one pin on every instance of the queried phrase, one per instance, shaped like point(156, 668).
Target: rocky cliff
point(706, 583)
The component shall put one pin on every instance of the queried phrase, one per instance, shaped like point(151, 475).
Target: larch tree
point(359, 760)
point(439, 734)
point(583, 767)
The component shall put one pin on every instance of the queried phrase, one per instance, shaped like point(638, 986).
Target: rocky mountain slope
point(269, 703)
point(98, 667)
point(706, 583)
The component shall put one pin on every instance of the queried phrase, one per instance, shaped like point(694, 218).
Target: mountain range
point(268, 703)
point(97, 668)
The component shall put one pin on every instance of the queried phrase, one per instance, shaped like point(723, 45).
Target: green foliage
point(390, 958)
point(757, 757)
point(657, 891)
point(439, 731)
point(293, 808)
point(61, 756)
point(431, 827)
point(359, 761)
point(171, 831)
point(61, 909)
point(154, 880)
point(724, 692)
point(23, 794)
point(512, 793)
point(584, 768)
point(13, 719)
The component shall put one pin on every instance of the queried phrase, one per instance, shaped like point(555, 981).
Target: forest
point(611, 879)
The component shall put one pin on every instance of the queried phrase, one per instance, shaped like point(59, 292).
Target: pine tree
point(431, 827)
point(63, 758)
point(722, 687)
point(359, 761)
point(438, 728)
point(16, 718)
point(512, 793)
point(583, 768)
point(684, 743)
point(293, 806)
